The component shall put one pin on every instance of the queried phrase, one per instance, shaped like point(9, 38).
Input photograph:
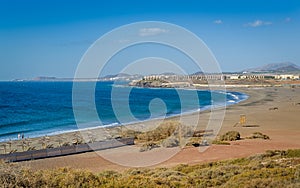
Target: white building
point(287, 77)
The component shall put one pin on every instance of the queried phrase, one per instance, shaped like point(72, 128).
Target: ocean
point(45, 108)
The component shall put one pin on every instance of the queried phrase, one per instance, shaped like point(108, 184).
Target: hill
point(275, 67)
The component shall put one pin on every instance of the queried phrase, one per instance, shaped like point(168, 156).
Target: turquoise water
point(45, 108)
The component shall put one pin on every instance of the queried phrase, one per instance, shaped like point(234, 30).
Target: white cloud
point(151, 31)
point(218, 21)
point(123, 40)
point(258, 23)
point(287, 19)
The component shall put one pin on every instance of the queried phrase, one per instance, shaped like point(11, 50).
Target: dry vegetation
point(229, 136)
point(272, 169)
point(259, 135)
point(234, 135)
point(168, 134)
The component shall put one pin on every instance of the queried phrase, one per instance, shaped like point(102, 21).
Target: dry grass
point(168, 134)
point(259, 135)
point(219, 142)
point(272, 169)
point(230, 136)
point(162, 132)
point(165, 135)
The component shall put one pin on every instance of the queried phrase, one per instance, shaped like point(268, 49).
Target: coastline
point(280, 125)
point(33, 136)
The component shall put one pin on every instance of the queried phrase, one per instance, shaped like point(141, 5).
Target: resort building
point(205, 77)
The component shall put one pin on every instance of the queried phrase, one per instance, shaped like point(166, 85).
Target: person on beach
point(19, 136)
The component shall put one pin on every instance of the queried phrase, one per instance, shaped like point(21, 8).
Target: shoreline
point(53, 138)
point(281, 125)
point(116, 125)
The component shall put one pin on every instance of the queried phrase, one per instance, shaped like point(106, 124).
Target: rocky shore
point(159, 84)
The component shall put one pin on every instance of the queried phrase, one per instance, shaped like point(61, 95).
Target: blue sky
point(48, 38)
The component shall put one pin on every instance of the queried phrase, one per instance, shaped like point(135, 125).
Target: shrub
point(130, 134)
point(293, 153)
point(170, 142)
point(194, 141)
point(66, 144)
point(230, 136)
point(219, 142)
point(274, 153)
point(259, 135)
point(148, 146)
point(163, 131)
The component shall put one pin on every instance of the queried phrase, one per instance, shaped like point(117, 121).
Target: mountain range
point(285, 67)
point(275, 67)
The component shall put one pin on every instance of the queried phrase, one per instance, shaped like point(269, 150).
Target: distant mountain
point(197, 73)
point(168, 73)
point(276, 67)
point(117, 75)
point(42, 78)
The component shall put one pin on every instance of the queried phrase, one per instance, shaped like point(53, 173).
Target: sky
point(49, 38)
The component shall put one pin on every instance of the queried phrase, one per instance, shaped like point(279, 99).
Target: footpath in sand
point(272, 111)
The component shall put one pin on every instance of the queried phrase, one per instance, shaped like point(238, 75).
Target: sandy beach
point(273, 111)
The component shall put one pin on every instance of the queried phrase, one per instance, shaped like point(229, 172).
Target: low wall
point(66, 150)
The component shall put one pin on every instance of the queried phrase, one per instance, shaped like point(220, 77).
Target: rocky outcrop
point(149, 83)
point(159, 84)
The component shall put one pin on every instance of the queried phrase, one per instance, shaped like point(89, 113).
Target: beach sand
point(274, 111)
